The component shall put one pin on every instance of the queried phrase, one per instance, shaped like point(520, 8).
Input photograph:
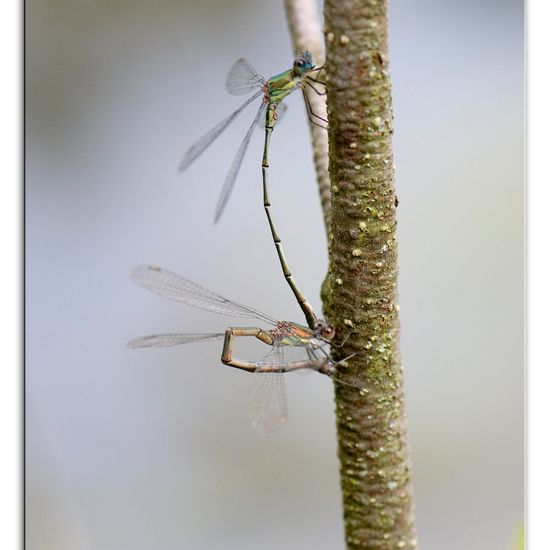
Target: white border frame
point(11, 97)
point(538, 273)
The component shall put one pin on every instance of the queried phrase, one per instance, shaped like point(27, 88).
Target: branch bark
point(360, 292)
point(305, 30)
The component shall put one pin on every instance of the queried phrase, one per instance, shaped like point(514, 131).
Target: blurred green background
point(153, 449)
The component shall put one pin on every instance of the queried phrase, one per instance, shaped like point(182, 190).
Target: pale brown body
point(285, 334)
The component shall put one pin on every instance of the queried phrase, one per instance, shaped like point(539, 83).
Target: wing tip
point(269, 428)
point(145, 267)
point(182, 166)
point(133, 344)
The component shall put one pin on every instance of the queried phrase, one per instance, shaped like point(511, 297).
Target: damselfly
point(294, 347)
point(243, 78)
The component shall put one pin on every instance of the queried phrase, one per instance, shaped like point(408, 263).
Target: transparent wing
point(316, 356)
point(267, 398)
point(292, 354)
point(243, 78)
point(179, 289)
point(235, 167)
point(167, 340)
point(200, 146)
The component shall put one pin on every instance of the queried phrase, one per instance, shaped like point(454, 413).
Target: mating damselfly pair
point(294, 347)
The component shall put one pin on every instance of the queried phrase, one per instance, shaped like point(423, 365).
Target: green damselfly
point(294, 347)
point(243, 78)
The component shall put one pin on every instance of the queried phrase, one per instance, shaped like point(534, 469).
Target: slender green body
point(278, 88)
point(242, 78)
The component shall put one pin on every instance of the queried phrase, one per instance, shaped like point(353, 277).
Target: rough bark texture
point(360, 293)
point(305, 29)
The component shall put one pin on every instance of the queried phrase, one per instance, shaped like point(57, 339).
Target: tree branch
point(360, 294)
point(305, 29)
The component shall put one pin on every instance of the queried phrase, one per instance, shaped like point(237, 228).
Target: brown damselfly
point(294, 347)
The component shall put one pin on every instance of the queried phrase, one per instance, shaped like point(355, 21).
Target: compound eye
point(328, 332)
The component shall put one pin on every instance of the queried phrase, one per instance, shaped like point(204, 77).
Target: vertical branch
point(360, 294)
point(305, 29)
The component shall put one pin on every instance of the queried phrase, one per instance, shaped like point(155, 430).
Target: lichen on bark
point(360, 292)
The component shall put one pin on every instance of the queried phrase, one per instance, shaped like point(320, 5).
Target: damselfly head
point(303, 63)
point(324, 331)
